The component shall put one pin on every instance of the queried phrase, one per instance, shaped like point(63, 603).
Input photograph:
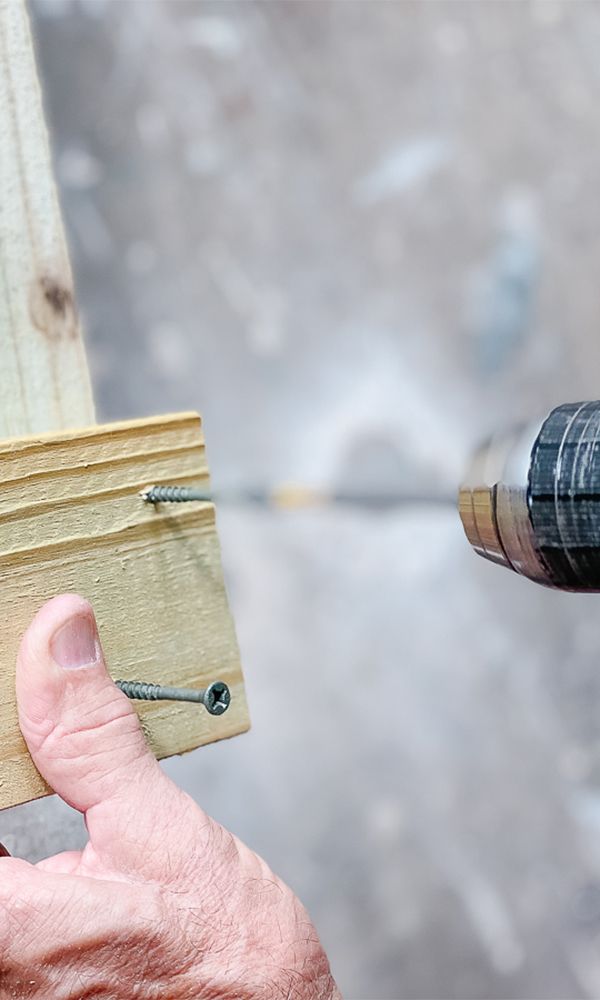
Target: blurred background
point(358, 236)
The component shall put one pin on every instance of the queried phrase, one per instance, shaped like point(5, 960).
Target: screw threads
point(139, 690)
point(174, 494)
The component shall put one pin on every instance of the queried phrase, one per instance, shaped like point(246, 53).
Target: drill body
point(532, 499)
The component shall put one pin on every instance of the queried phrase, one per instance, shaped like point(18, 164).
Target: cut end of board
point(72, 520)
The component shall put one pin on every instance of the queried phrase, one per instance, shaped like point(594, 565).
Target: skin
point(162, 902)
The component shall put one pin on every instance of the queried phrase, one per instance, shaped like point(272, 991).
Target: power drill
point(532, 499)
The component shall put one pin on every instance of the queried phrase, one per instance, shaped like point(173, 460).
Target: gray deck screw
point(216, 698)
point(174, 494)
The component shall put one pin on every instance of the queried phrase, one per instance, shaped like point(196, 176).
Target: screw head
point(217, 698)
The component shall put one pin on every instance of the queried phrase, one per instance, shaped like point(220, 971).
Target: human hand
point(162, 902)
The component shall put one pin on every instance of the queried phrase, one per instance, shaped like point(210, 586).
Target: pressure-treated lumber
point(70, 515)
point(71, 519)
point(44, 381)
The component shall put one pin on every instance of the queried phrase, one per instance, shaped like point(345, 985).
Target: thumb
point(82, 732)
point(86, 740)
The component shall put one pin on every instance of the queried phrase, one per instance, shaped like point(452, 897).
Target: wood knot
point(52, 308)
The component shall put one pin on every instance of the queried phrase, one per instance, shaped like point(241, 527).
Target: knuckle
point(77, 732)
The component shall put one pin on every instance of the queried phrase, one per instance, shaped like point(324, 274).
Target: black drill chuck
point(532, 501)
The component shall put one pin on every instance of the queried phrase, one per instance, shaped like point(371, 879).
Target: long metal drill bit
point(296, 497)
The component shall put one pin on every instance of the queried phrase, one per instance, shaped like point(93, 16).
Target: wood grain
point(71, 519)
point(44, 381)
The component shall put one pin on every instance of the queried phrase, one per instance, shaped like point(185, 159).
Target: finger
point(82, 733)
point(67, 863)
point(20, 916)
point(86, 740)
point(49, 923)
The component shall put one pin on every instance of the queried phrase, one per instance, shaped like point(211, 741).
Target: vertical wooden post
point(44, 380)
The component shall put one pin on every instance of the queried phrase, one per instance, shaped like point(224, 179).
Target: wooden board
point(70, 516)
point(71, 519)
point(44, 381)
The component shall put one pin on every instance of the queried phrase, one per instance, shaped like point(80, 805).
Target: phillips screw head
point(217, 698)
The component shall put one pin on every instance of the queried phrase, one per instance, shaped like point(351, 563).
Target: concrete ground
point(358, 236)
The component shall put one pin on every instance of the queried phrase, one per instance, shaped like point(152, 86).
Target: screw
point(173, 494)
point(216, 698)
